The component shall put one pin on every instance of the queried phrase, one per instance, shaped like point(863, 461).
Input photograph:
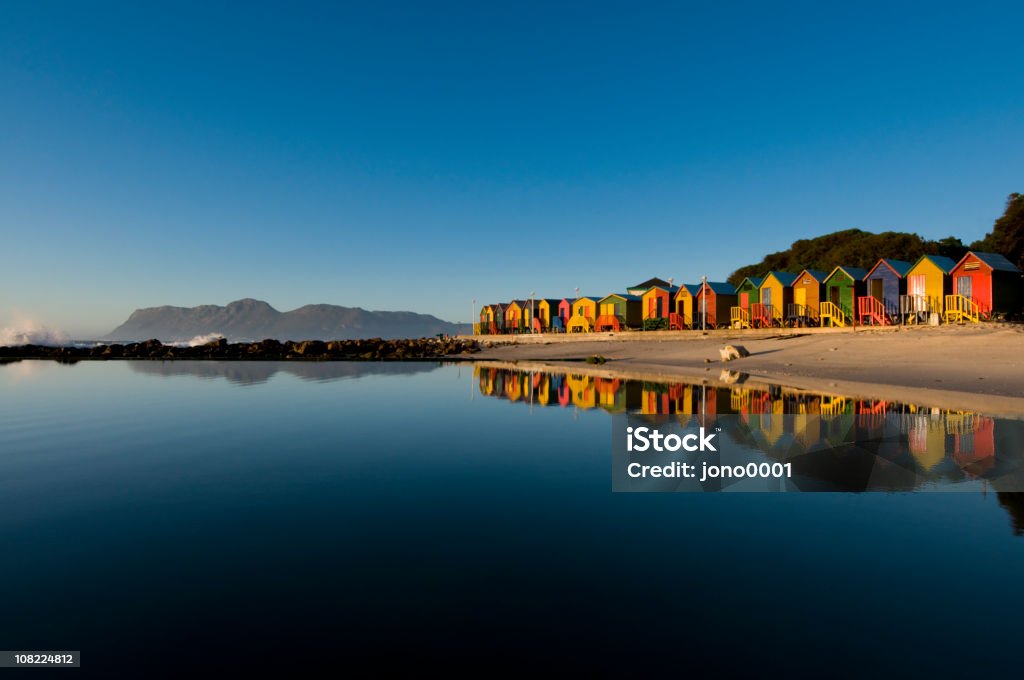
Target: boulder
point(730, 352)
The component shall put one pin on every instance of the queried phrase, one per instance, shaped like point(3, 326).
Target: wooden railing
point(761, 315)
point(833, 314)
point(960, 308)
point(870, 310)
point(676, 321)
point(739, 317)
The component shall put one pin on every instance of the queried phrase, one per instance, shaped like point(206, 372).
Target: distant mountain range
point(256, 320)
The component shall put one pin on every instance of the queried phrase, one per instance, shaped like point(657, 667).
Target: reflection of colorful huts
point(584, 314)
point(926, 438)
point(808, 290)
point(547, 318)
point(582, 391)
point(514, 317)
point(775, 293)
point(618, 311)
point(746, 295)
point(842, 288)
point(927, 287)
point(715, 299)
point(983, 284)
point(657, 308)
point(884, 284)
point(565, 311)
point(973, 442)
point(617, 396)
point(685, 304)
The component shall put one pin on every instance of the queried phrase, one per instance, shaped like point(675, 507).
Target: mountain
point(256, 320)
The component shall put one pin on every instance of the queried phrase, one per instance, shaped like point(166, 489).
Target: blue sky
point(420, 155)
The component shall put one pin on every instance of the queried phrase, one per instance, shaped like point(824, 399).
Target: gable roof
point(996, 261)
point(671, 290)
point(649, 283)
point(855, 273)
point(816, 274)
point(721, 288)
point(945, 264)
point(899, 267)
point(691, 288)
point(785, 278)
point(595, 298)
point(624, 296)
point(755, 281)
point(550, 301)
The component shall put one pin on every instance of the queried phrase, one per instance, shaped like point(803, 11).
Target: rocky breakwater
point(374, 349)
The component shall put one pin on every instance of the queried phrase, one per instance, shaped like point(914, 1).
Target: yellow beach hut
point(584, 314)
point(928, 284)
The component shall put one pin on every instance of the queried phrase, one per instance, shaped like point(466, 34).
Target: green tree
point(1007, 235)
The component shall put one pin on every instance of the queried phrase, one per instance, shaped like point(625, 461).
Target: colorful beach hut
point(884, 285)
point(775, 293)
point(808, 291)
point(715, 300)
point(547, 318)
point(487, 325)
point(656, 307)
point(746, 295)
point(983, 284)
point(584, 314)
point(618, 311)
point(565, 311)
point(685, 304)
point(499, 316)
point(928, 284)
point(842, 288)
point(514, 322)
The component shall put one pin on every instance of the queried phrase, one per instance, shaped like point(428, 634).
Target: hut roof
point(624, 296)
point(721, 288)
point(899, 266)
point(994, 260)
point(649, 283)
point(855, 273)
point(817, 274)
point(691, 288)
point(785, 278)
point(755, 281)
point(943, 263)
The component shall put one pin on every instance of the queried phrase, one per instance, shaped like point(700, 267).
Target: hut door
point(800, 296)
point(877, 288)
point(766, 296)
point(745, 300)
point(833, 295)
point(963, 286)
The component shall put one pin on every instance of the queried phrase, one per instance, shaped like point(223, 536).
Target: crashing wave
point(33, 334)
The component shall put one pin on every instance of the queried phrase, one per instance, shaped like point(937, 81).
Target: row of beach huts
point(934, 289)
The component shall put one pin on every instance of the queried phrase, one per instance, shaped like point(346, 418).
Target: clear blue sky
point(419, 155)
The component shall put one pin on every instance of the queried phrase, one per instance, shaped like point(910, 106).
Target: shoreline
point(973, 368)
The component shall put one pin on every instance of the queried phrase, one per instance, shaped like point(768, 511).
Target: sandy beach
point(978, 368)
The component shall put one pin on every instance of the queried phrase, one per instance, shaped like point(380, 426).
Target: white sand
point(978, 368)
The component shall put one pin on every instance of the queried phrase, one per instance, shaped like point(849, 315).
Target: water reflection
point(835, 442)
point(257, 372)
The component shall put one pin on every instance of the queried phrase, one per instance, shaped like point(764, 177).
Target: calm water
point(178, 515)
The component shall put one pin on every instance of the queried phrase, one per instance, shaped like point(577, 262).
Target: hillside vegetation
point(857, 248)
